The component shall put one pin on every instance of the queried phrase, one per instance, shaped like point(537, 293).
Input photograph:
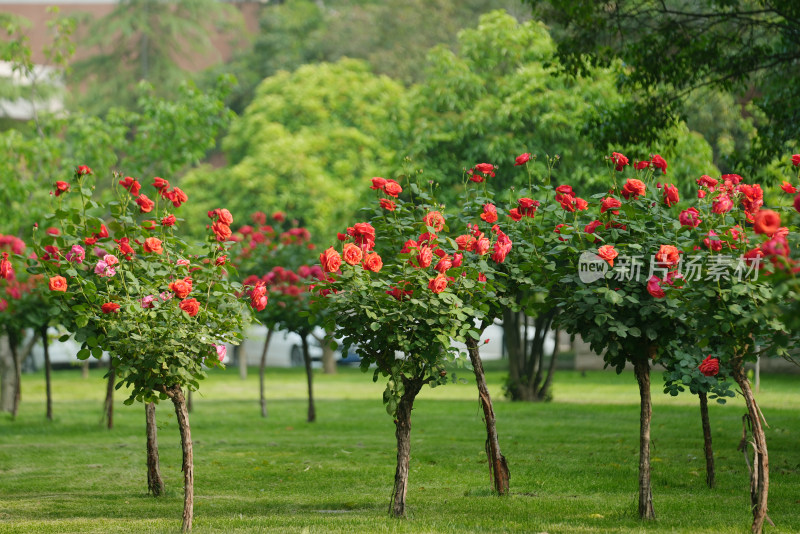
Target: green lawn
point(573, 461)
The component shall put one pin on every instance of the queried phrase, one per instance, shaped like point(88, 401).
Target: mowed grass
point(573, 461)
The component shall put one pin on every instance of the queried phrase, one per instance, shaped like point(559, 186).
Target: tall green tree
point(302, 145)
point(144, 40)
point(392, 37)
point(670, 49)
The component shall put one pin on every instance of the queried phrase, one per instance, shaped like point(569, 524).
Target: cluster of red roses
point(282, 281)
point(222, 223)
point(146, 205)
point(11, 286)
point(390, 187)
point(484, 170)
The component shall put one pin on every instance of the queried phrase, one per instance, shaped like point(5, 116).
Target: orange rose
point(668, 256)
point(373, 262)
point(57, 283)
point(181, 288)
point(190, 306)
point(435, 220)
point(330, 260)
point(153, 245)
point(438, 284)
point(352, 253)
point(607, 253)
point(766, 222)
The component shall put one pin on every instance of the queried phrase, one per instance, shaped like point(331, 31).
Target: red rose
point(444, 264)
point(788, 188)
point(153, 245)
point(438, 284)
point(190, 306)
point(258, 297)
point(659, 163)
point(425, 256)
point(83, 170)
point(181, 288)
point(618, 160)
point(373, 262)
point(766, 222)
point(145, 204)
point(485, 168)
point(690, 217)
point(278, 216)
point(722, 204)
point(221, 230)
point(224, 216)
point(633, 188)
point(639, 165)
point(131, 185)
point(110, 307)
point(654, 288)
point(668, 256)
point(522, 159)
point(352, 254)
point(61, 187)
point(707, 181)
point(149, 225)
point(671, 196)
point(607, 253)
point(581, 204)
point(527, 206)
point(489, 213)
point(567, 202)
point(378, 183)
point(592, 226)
point(565, 190)
point(609, 203)
point(482, 246)
point(177, 197)
point(392, 188)
point(160, 183)
point(709, 366)
point(387, 204)
point(364, 235)
point(712, 241)
point(435, 220)
point(221, 260)
point(6, 270)
point(515, 214)
point(330, 260)
point(796, 160)
point(466, 242)
point(797, 203)
point(169, 220)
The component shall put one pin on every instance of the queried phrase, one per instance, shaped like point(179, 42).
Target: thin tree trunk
point(13, 345)
point(7, 382)
point(155, 484)
point(707, 448)
point(641, 367)
point(85, 369)
point(47, 382)
point(498, 468)
point(241, 361)
point(545, 391)
point(262, 367)
point(176, 395)
point(759, 474)
point(312, 414)
point(108, 407)
point(403, 435)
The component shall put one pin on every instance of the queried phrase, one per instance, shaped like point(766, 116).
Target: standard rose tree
point(130, 286)
point(399, 290)
point(276, 261)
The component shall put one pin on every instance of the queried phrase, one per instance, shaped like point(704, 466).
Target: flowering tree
point(401, 290)
point(131, 287)
point(21, 308)
point(274, 259)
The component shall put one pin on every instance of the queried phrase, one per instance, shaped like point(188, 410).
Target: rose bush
point(130, 286)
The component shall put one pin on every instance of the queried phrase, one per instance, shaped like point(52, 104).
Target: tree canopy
point(670, 49)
